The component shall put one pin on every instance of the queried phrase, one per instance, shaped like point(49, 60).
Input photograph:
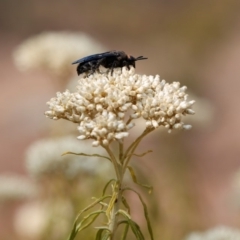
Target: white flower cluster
point(44, 158)
point(54, 51)
point(218, 233)
point(30, 220)
point(104, 105)
point(15, 187)
point(33, 219)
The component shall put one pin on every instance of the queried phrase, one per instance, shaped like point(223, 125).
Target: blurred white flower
point(55, 51)
point(35, 220)
point(106, 105)
point(15, 187)
point(31, 220)
point(44, 158)
point(217, 233)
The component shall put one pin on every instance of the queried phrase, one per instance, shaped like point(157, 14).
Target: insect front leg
point(114, 65)
point(126, 64)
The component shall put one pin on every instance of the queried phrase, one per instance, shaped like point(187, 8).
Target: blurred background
point(195, 174)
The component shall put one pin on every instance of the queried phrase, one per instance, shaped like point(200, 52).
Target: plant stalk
point(114, 213)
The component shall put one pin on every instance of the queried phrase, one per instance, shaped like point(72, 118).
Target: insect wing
point(95, 57)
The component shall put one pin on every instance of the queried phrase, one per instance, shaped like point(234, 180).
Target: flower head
point(30, 220)
point(34, 219)
point(217, 233)
point(15, 187)
point(106, 105)
point(43, 158)
point(54, 51)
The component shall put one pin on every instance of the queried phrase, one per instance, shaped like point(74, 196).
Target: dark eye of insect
point(109, 60)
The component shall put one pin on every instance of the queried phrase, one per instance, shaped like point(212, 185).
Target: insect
point(109, 60)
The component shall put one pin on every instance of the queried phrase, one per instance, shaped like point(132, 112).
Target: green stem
point(133, 146)
point(120, 166)
point(121, 151)
point(114, 161)
point(114, 216)
point(117, 190)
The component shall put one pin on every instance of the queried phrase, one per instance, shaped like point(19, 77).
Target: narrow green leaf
point(86, 155)
point(136, 230)
point(134, 226)
point(73, 232)
point(77, 226)
point(103, 231)
point(145, 212)
point(124, 201)
point(125, 232)
point(106, 186)
point(122, 222)
point(134, 178)
point(111, 204)
point(124, 213)
point(99, 234)
point(106, 236)
point(92, 205)
point(142, 154)
point(85, 219)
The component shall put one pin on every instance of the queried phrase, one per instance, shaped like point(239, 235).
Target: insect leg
point(99, 62)
point(93, 67)
point(126, 64)
point(114, 65)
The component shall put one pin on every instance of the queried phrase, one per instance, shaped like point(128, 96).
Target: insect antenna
point(140, 58)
